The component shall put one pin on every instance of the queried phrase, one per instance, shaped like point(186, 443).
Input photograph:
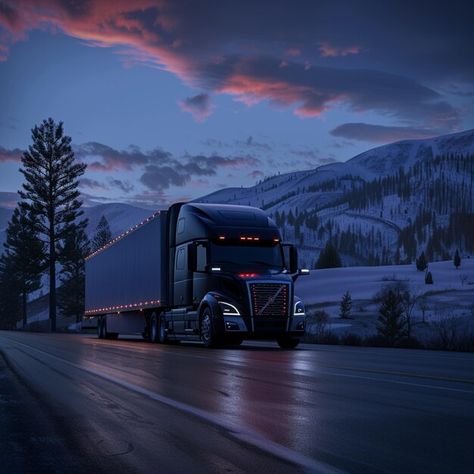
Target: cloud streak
point(379, 133)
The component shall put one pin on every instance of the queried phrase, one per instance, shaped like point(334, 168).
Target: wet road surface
point(128, 405)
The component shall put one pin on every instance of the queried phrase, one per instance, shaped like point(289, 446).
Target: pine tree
point(71, 293)
point(329, 257)
point(102, 234)
point(428, 278)
point(10, 295)
point(457, 259)
point(391, 323)
point(346, 306)
point(25, 254)
point(421, 263)
point(50, 194)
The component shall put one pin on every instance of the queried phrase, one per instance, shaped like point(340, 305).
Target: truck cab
point(230, 278)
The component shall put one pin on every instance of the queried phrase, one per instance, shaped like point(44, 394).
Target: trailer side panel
point(128, 274)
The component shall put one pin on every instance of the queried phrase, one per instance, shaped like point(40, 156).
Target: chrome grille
point(269, 299)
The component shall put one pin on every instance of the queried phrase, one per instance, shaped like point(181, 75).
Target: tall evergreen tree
point(102, 234)
point(10, 295)
point(50, 194)
point(346, 306)
point(71, 293)
point(25, 252)
point(329, 257)
point(457, 259)
point(391, 323)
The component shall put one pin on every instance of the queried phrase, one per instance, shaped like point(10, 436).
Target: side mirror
point(192, 257)
point(300, 272)
point(293, 259)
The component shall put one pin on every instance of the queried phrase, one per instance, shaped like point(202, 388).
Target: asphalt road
point(130, 406)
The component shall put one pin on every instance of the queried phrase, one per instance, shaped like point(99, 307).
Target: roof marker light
point(216, 269)
point(221, 237)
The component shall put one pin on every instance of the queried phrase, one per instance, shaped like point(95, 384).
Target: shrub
point(409, 343)
point(346, 306)
point(428, 278)
point(392, 326)
point(351, 339)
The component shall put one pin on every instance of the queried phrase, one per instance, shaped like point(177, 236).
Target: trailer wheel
point(162, 334)
point(288, 342)
point(106, 334)
point(208, 336)
point(153, 328)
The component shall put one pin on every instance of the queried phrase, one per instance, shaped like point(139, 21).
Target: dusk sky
point(171, 100)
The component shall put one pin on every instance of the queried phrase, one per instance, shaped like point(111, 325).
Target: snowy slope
point(328, 285)
point(120, 216)
point(325, 193)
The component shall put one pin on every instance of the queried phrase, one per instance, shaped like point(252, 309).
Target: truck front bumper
point(264, 327)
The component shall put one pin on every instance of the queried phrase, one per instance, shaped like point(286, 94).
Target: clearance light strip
point(249, 238)
point(120, 307)
point(124, 234)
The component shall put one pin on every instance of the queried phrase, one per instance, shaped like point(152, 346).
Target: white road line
point(247, 436)
point(399, 382)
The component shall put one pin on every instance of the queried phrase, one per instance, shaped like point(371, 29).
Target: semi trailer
point(210, 272)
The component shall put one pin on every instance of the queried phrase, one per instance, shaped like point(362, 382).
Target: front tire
point(208, 335)
point(287, 342)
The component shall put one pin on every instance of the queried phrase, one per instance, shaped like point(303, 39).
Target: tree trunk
point(52, 279)
point(24, 305)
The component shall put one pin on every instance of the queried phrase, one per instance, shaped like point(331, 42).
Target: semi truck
point(197, 271)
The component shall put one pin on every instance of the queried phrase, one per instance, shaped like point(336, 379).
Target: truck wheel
point(208, 336)
point(162, 334)
point(153, 328)
point(288, 342)
point(100, 330)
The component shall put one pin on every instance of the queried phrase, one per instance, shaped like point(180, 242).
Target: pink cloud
point(168, 36)
point(10, 155)
point(251, 90)
point(329, 51)
point(293, 52)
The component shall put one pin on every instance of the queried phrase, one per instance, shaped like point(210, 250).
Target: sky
point(172, 100)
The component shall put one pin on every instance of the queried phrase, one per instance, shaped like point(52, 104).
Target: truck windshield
point(267, 259)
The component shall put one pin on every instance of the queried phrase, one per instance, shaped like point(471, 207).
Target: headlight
point(228, 309)
point(299, 309)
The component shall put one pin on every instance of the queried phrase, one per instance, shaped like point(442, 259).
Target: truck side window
point(180, 260)
point(180, 227)
point(201, 258)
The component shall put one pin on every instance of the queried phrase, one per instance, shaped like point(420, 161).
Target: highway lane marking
point(249, 437)
point(231, 359)
point(403, 374)
point(400, 382)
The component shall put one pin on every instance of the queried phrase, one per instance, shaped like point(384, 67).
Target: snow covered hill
point(385, 205)
point(120, 216)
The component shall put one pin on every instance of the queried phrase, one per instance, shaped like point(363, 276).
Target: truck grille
point(269, 299)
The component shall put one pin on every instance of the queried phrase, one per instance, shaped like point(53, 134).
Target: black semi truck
point(209, 272)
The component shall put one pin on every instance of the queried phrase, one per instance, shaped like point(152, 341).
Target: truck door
point(182, 278)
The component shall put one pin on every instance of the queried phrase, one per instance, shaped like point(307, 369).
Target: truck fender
point(210, 301)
